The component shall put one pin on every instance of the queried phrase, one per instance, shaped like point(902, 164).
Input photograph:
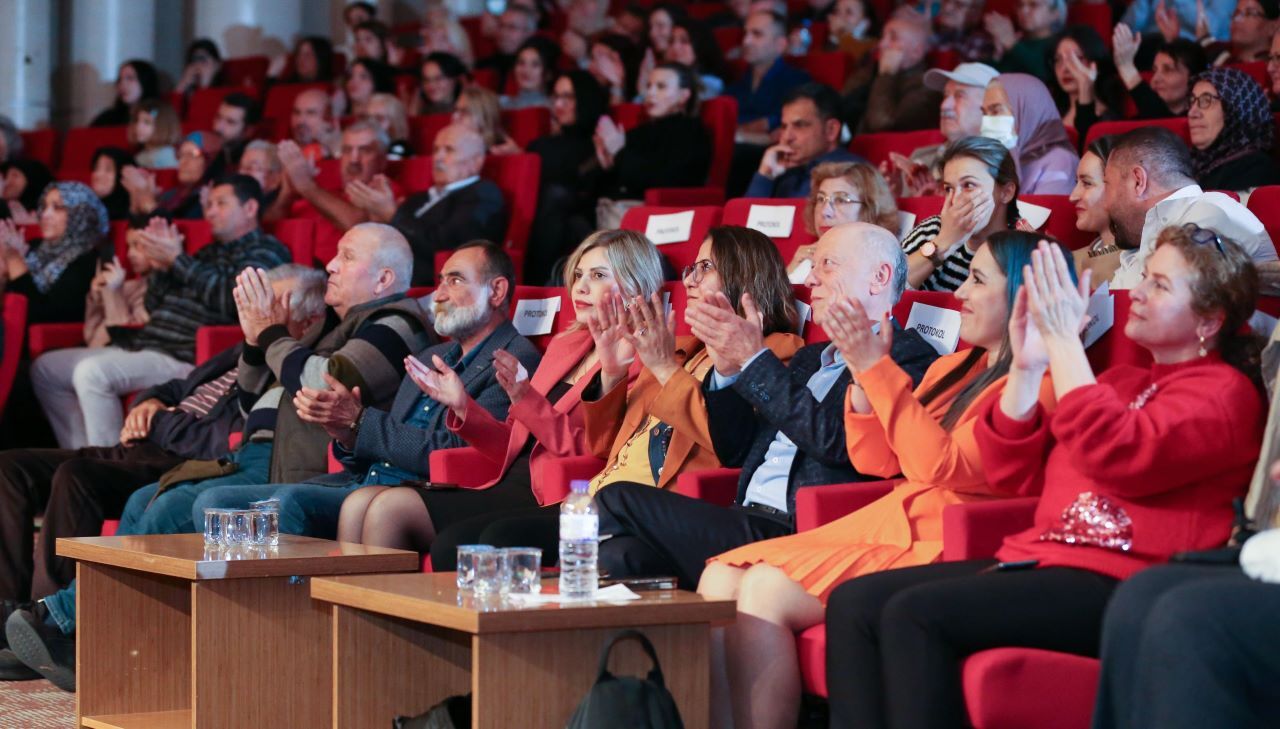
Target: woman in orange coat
point(781, 585)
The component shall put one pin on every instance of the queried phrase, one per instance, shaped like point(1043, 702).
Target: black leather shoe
point(12, 669)
point(43, 648)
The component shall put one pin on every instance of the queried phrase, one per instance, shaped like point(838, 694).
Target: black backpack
point(627, 702)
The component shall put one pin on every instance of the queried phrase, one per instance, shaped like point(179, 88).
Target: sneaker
point(12, 669)
point(43, 648)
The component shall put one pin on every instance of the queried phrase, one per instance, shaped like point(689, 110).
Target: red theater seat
point(423, 130)
point(1177, 125)
point(202, 107)
point(299, 235)
point(679, 253)
point(526, 125)
point(80, 142)
point(14, 316)
point(246, 71)
point(875, 148)
point(738, 212)
point(41, 145)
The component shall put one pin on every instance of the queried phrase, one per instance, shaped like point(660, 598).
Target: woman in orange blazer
point(662, 415)
point(781, 585)
point(545, 418)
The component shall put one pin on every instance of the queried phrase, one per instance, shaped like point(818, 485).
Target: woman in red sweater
point(1132, 467)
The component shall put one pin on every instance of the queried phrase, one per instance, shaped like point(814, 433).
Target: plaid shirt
point(196, 291)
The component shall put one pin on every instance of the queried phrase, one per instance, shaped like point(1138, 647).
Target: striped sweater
point(954, 270)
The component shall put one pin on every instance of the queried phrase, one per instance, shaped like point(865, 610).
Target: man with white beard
point(391, 447)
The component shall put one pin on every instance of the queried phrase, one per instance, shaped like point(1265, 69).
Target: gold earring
point(1203, 351)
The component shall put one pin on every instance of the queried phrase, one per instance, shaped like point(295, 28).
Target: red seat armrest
point(466, 467)
point(679, 196)
point(975, 531)
point(211, 340)
point(718, 486)
point(43, 337)
point(817, 505)
point(551, 479)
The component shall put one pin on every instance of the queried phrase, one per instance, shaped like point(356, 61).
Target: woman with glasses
point(55, 272)
point(1231, 130)
point(927, 434)
point(842, 192)
point(980, 189)
point(652, 429)
point(1133, 466)
point(1252, 25)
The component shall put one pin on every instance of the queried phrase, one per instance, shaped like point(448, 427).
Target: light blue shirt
point(769, 484)
point(1141, 16)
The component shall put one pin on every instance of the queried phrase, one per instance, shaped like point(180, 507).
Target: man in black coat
point(457, 208)
point(782, 424)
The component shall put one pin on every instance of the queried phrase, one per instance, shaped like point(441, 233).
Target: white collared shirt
point(436, 194)
point(1211, 210)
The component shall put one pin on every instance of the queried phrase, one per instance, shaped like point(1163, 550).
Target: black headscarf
point(117, 201)
point(1247, 126)
point(38, 178)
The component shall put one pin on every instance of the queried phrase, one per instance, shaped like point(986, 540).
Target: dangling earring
point(1203, 351)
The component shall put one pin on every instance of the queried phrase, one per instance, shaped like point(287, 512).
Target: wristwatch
point(930, 251)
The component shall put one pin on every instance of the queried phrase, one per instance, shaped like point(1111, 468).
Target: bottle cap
point(579, 486)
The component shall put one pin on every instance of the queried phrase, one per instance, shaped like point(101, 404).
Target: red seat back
point(15, 329)
point(921, 207)
point(1177, 125)
point(526, 125)
point(517, 175)
point(299, 235)
point(875, 148)
point(679, 253)
point(1094, 15)
point(564, 317)
point(738, 212)
point(80, 143)
point(278, 106)
point(1113, 347)
point(826, 67)
point(415, 174)
point(250, 71)
point(720, 117)
point(41, 145)
point(1062, 220)
point(628, 115)
point(1265, 203)
point(202, 108)
point(423, 129)
point(196, 234)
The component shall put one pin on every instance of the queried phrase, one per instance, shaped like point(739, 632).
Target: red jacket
point(1130, 470)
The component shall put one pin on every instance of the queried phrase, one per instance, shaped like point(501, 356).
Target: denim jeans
point(308, 509)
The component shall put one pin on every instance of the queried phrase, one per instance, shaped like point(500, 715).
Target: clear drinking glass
point(215, 525)
point(265, 522)
point(493, 574)
point(525, 567)
point(240, 529)
point(467, 564)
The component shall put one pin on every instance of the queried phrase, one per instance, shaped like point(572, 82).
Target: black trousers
point(77, 490)
point(653, 532)
point(1188, 646)
point(896, 639)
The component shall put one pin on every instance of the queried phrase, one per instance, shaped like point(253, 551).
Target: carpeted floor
point(35, 705)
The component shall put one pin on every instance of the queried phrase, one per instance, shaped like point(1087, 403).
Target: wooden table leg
point(536, 679)
point(261, 654)
point(384, 667)
point(133, 642)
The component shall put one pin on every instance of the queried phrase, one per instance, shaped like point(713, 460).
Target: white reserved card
point(1101, 313)
point(535, 317)
point(774, 221)
point(906, 221)
point(939, 326)
point(1036, 215)
point(804, 313)
point(669, 228)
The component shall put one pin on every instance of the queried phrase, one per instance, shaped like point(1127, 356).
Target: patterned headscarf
point(1247, 126)
point(87, 225)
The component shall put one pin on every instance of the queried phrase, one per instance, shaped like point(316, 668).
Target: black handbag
point(452, 713)
point(627, 702)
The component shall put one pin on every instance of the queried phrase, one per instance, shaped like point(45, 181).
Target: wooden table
point(171, 634)
point(402, 643)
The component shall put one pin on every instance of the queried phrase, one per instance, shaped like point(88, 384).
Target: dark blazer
point(1243, 173)
point(769, 396)
point(475, 211)
point(185, 435)
point(384, 436)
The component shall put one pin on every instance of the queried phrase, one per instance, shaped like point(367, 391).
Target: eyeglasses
point(1203, 236)
point(1248, 13)
point(694, 272)
point(840, 199)
point(1204, 101)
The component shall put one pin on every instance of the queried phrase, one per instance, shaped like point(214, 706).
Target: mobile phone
point(1022, 564)
point(641, 584)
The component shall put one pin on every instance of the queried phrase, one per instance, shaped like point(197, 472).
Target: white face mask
point(999, 128)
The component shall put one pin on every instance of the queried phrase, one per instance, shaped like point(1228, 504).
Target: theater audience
point(661, 26)
point(959, 116)
point(545, 420)
point(442, 77)
point(261, 162)
point(1231, 131)
point(657, 428)
point(184, 292)
point(1174, 19)
point(154, 134)
point(891, 426)
point(515, 27)
point(1029, 48)
point(768, 79)
point(1102, 256)
point(1175, 64)
point(1085, 85)
point(311, 62)
point(311, 124)
point(388, 114)
point(1150, 186)
point(567, 188)
point(897, 98)
point(980, 189)
point(1018, 112)
point(203, 69)
point(371, 42)
point(842, 192)
point(365, 77)
point(236, 122)
point(108, 164)
point(195, 154)
point(1127, 479)
point(136, 80)
point(458, 207)
point(671, 149)
point(25, 180)
point(615, 62)
point(363, 158)
point(533, 70)
point(808, 135)
point(478, 109)
point(693, 44)
point(54, 272)
point(958, 29)
point(442, 33)
point(389, 445)
point(1253, 23)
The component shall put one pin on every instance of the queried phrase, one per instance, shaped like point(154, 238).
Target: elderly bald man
point(458, 207)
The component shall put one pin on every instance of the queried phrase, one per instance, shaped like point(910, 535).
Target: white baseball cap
point(966, 74)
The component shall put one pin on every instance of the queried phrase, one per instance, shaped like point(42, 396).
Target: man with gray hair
point(897, 99)
point(782, 424)
point(1150, 186)
point(458, 207)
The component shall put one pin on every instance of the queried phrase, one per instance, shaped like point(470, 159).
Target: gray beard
point(460, 323)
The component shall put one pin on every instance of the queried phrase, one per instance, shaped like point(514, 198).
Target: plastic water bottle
point(579, 543)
